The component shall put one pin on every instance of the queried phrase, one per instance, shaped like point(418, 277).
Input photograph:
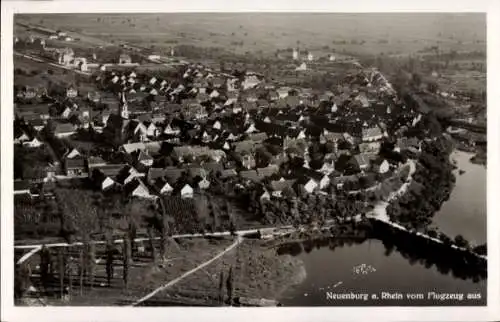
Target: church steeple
point(123, 109)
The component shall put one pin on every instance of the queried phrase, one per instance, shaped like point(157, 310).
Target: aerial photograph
point(250, 159)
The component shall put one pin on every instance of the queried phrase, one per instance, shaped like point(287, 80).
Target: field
point(40, 75)
point(255, 271)
point(242, 32)
point(144, 275)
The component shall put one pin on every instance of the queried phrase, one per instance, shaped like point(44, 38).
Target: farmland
point(243, 32)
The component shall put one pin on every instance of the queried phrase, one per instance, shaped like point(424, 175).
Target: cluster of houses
point(179, 135)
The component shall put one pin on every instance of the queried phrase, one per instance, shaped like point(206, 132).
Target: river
point(330, 269)
point(465, 212)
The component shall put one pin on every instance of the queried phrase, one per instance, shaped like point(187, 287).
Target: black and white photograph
point(248, 159)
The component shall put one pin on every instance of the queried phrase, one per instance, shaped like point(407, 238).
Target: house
point(250, 175)
point(21, 138)
point(267, 171)
point(71, 92)
point(371, 134)
point(328, 167)
point(250, 81)
point(32, 112)
point(251, 128)
point(203, 183)
point(283, 92)
point(361, 161)
point(187, 191)
point(247, 146)
point(228, 173)
point(64, 130)
point(172, 174)
point(152, 130)
point(169, 130)
point(265, 196)
point(138, 130)
point(38, 124)
point(102, 181)
point(145, 159)
point(136, 188)
point(212, 167)
point(278, 186)
point(109, 170)
point(363, 100)
point(410, 144)
point(327, 136)
point(310, 186)
point(66, 112)
point(247, 160)
point(130, 148)
point(75, 167)
point(127, 175)
point(341, 180)
point(258, 137)
point(124, 59)
point(369, 147)
point(73, 154)
point(380, 165)
point(217, 125)
point(154, 174)
point(164, 187)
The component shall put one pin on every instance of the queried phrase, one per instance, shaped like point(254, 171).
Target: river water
point(330, 271)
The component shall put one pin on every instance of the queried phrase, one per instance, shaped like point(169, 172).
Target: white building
point(187, 191)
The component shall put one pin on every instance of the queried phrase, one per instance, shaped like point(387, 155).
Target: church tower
point(123, 109)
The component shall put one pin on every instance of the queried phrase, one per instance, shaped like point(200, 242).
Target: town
point(122, 153)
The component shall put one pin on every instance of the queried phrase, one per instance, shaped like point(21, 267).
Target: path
point(174, 281)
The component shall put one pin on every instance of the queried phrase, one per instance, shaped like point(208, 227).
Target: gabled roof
point(371, 132)
point(362, 159)
point(172, 174)
point(144, 156)
point(280, 185)
point(212, 167)
point(267, 171)
point(110, 170)
point(75, 163)
point(250, 175)
point(64, 128)
point(228, 173)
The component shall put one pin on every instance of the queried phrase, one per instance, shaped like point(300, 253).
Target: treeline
point(434, 179)
point(304, 208)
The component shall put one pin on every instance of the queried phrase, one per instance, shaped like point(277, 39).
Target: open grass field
point(381, 32)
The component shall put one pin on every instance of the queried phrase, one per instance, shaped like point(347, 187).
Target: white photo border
point(488, 313)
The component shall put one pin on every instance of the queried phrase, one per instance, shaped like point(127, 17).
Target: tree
point(126, 259)
point(91, 264)
point(221, 287)
point(61, 259)
point(152, 245)
point(460, 241)
point(110, 250)
point(45, 269)
point(81, 268)
point(230, 286)
point(481, 249)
